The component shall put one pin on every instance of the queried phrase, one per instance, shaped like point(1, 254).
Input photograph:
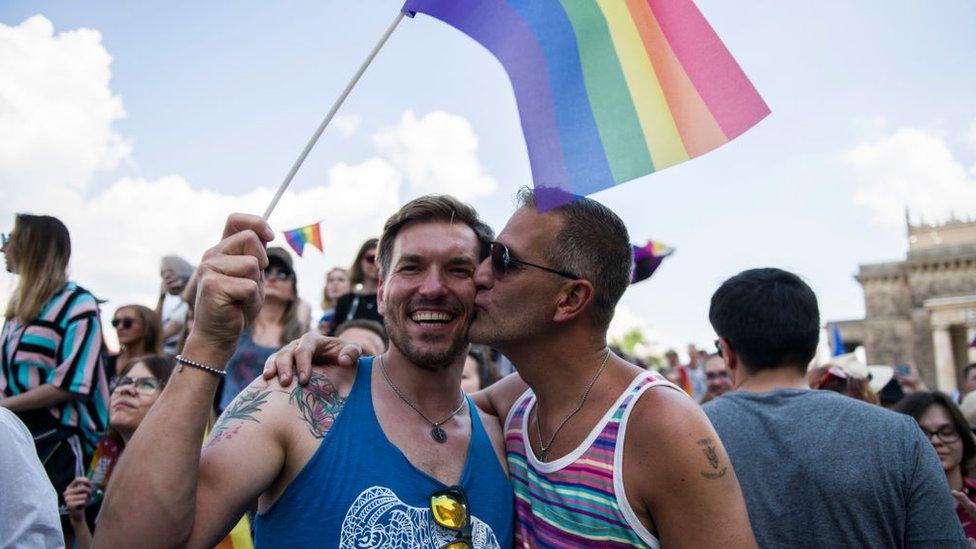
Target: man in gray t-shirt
point(817, 469)
point(820, 469)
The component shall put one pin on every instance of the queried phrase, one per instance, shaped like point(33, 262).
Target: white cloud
point(438, 153)
point(56, 111)
point(913, 168)
point(625, 320)
point(346, 124)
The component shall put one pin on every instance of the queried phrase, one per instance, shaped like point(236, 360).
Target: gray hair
point(179, 265)
point(593, 243)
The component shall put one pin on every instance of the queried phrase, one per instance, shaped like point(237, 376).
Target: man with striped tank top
point(601, 453)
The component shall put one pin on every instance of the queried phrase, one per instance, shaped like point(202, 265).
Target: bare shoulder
point(318, 403)
point(669, 430)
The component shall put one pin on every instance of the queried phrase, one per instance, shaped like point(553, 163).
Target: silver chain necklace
point(436, 431)
point(543, 447)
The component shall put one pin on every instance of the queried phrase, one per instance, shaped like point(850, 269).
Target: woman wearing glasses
point(946, 428)
point(139, 332)
point(364, 276)
point(52, 375)
point(276, 324)
point(134, 391)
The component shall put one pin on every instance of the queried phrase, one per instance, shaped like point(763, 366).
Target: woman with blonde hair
point(52, 375)
point(336, 285)
point(139, 332)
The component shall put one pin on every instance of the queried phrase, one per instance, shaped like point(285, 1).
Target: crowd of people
point(395, 420)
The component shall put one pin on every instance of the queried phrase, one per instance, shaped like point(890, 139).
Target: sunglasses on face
point(371, 258)
point(717, 375)
point(277, 274)
point(449, 509)
point(124, 323)
point(502, 261)
point(143, 385)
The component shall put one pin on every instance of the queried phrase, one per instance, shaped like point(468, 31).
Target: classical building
point(922, 310)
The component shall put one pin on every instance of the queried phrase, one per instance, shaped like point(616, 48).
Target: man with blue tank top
point(600, 452)
point(387, 453)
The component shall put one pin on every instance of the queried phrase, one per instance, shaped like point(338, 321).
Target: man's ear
point(380, 302)
point(731, 359)
point(573, 300)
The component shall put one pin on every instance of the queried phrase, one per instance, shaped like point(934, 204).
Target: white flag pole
point(332, 112)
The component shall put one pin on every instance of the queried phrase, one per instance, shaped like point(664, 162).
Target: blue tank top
point(359, 490)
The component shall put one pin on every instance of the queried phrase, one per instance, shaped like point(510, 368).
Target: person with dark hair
point(817, 469)
point(52, 375)
point(134, 391)
point(368, 334)
point(944, 425)
point(546, 294)
point(479, 372)
point(968, 380)
point(386, 453)
point(363, 278)
point(139, 333)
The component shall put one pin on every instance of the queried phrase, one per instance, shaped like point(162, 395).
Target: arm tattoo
point(717, 469)
point(240, 410)
point(318, 403)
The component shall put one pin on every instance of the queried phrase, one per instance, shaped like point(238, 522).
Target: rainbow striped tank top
point(577, 500)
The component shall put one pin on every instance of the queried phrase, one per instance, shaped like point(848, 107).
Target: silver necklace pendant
point(438, 434)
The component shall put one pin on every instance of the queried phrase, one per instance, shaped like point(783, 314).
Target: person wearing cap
point(276, 324)
point(817, 469)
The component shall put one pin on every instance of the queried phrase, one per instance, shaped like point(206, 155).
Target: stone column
point(970, 335)
point(945, 366)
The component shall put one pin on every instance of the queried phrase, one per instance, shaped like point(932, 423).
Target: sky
point(143, 124)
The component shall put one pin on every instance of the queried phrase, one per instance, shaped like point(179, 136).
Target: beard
point(427, 351)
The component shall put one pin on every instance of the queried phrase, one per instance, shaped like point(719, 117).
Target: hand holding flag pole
point(328, 117)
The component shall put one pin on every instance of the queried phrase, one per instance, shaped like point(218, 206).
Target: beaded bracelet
point(181, 360)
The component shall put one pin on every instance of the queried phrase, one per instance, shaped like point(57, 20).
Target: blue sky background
point(225, 95)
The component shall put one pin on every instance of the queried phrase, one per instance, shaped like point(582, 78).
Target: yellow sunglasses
point(449, 509)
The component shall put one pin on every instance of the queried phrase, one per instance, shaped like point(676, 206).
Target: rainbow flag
point(608, 90)
point(309, 234)
point(648, 258)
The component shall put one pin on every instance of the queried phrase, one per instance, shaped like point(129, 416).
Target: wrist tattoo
point(716, 470)
point(318, 403)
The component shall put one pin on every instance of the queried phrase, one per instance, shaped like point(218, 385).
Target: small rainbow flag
point(608, 90)
point(648, 258)
point(309, 234)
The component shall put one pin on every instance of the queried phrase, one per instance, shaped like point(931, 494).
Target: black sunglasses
point(371, 258)
point(449, 509)
point(125, 323)
point(502, 261)
point(276, 273)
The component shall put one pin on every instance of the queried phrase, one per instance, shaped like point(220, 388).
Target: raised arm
point(678, 474)
point(162, 494)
